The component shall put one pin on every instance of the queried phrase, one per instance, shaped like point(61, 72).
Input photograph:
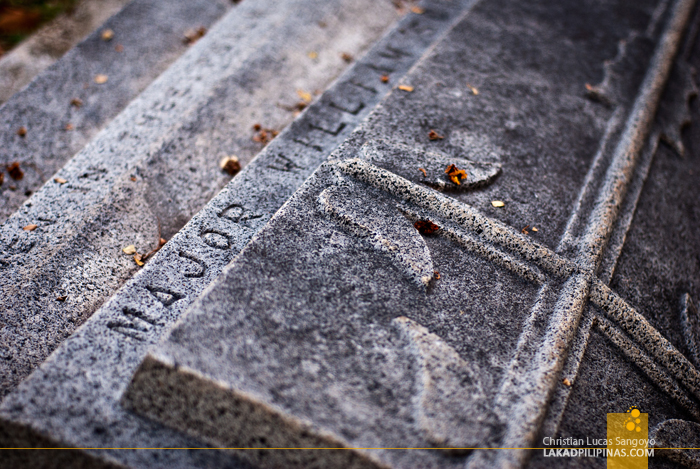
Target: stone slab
point(347, 324)
point(73, 398)
point(48, 44)
point(157, 163)
point(150, 34)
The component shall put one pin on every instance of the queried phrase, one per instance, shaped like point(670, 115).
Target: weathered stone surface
point(150, 34)
point(157, 163)
point(48, 44)
point(73, 398)
point(324, 330)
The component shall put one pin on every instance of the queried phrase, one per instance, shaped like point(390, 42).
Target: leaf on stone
point(230, 164)
point(498, 203)
point(426, 227)
point(15, 171)
point(30, 227)
point(68, 126)
point(313, 55)
point(130, 249)
point(101, 79)
point(61, 298)
point(304, 95)
point(76, 102)
point(137, 259)
point(107, 35)
point(473, 89)
point(192, 35)
point(417, 10)
point(346, 57)
point(433, 135)
point(407, 88)
point(455, 174)
point(22, 131)
point(60, 180)
point(384, 78)
point(403, 159)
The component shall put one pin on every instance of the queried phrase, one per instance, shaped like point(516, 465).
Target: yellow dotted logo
point(632, 421)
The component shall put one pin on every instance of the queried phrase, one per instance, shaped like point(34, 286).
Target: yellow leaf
point(130, 249)
point(31, 227)
point(107, 34)
point(60, 180)
point(313, 55)
point(406, 88)
point(497, 203)
point(305, 96)
point(101, 79)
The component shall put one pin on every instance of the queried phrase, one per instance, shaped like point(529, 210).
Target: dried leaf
point(497, 203)
point(346, 57)
point(313, 54)
point(433, 135)
point(305, 96)
point(133, 178)
point(566, 382)
point(22, 131)
point(436, 275)
point(137, 259)
point(15, 171)
point(101, 79)
point(425, 173)
point(473, 89)
point(426, 227)
point(417, 10)
point(107, 35)
point(524, 230)
point(68, 126)
point(384, 78)
point(192, 35)
point(76, 102)
point(535, 229)
point(407, 88)
point(455, 174)
point(61, 298)
point(2, 178)
point(60, 180)
point(30, 227)
point(230, 164)
point(130, 249)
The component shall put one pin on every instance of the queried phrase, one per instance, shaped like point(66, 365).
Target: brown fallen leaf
point(524, 230)
point(192, 35)
point(230, 164)
point(76, 102)
point(433, 135)
point(15, 171)
point(436, 275)
point(61, 298)
point(566, 382)
point(313, 54)
point(119, 48)
point(407, 88)
point(455, 174)
point(384, 78)
point(535, 229)
point(425, 173)
point(426, 227)
point(60, 180)
point(130, 249)
point(22, 131)
point(346, 57)
point(473, 89)
point(265, 135)
point(137, 259)
point(68, 126)
point(30, 227)
point(257, 127)
point(417, 10)
point(133, 178)
point(497, 203)
point(101, 79)
point(107, 35)
point(2, 178)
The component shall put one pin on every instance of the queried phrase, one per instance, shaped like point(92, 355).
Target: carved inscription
point(216, 239)
point(133, 323)
point(198, 269)
point(237, 213)
point(283, 163)
point(165, 295)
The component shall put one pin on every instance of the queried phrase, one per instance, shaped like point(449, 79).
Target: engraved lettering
point(237, 213)
point(354, 110)
point(283, 163)
point(133, 324)
point(199, 270)
point(216, 239)
point(334, 132)
point(164, 295)
point(363, 86)
point(307, 144)
point(392, 53)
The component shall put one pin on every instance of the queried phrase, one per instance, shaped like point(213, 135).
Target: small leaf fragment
point(473, 89)
point(384, 78)
point(68, 127)
point(192, 35)
point(425, 173)
point(30, 227)
point(346, 57)
point(15, 171)
point(426, 227)
point(101, 79)
point(61, 298)
point(107, 35)
point(433, 135)
point(305, 96)
point(498, 203)
point(76, 102)
point(566, 382)
point(436, 275)
point(406, 88)
point(455, 174)
point(137, 259)
point(60, 180)
point(230, 164)
point(22, 131)
point(313, 54)
point(524, 230)
point(130, 249)
point(534, 229)
point(417, 10)
point(119, 48)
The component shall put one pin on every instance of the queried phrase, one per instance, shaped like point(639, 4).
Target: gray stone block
point(148, 37)
point(157, 163)
point(73, 398)
point(375, 312)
